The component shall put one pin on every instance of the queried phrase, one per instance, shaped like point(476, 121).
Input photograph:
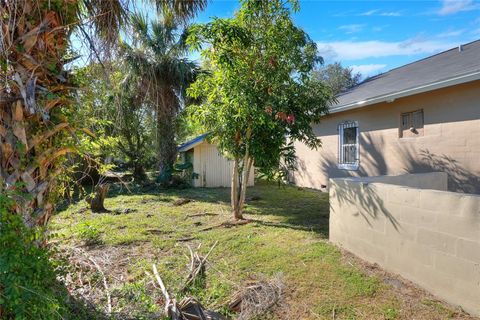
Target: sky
point(375, 36)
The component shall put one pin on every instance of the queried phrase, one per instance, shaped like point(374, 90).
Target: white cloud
point(455, 6)
point(380, 28)
point(352, 28)
point(370, 12)
point(451, 33)
point(355, 50)
point(378, 12)
point(391, 14)
point(368, 69)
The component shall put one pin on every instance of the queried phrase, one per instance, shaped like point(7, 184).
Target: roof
point(192, 143)
point(455, 66)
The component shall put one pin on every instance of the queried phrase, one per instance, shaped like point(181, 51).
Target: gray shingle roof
point(443, 66)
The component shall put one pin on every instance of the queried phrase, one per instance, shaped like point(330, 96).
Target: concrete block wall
point(428, 236)
point(430, 180)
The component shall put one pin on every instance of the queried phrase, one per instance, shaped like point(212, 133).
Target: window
point(348, 151)
point(411, 124)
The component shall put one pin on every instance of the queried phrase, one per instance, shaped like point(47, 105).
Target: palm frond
point(141, 33)
point(108, 17)
point(180, 10)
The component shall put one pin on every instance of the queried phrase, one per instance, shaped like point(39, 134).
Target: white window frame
point(341, 146)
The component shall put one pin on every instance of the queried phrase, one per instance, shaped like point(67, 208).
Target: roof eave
point(190, 146)
point(409, 92)
point(192, 143)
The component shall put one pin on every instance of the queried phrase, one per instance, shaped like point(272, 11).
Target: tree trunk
point(167, 146)
point(239, 186)
point(139, 172)
point(240, 181)
point(97, 201)
point(34, 92)
point(235, 192)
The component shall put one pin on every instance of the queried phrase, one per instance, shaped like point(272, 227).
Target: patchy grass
point(289, 236)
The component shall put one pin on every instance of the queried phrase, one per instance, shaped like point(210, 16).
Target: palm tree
point(157, 59)
point(37, 124)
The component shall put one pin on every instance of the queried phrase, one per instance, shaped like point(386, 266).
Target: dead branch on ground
point(187, 309)
point(229, 224)
point(181, 201)
point(257, 298)
point(186, 239)
point(105, 285)
point(201, 214)
point(196, 266)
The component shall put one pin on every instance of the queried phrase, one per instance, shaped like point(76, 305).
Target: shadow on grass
point(294, 208)
point(290, 207)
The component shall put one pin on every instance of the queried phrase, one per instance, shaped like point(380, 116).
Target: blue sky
point(375, 36)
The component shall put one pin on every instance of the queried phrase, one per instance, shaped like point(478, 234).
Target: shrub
point(90, 235)
point(27, 276)
point(183, 175)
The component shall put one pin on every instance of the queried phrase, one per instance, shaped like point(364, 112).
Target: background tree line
point(130, 103)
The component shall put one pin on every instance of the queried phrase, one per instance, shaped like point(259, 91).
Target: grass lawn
point(289, 240)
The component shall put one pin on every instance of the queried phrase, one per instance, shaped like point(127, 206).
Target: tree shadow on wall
point(409, 160)
point(365, 196)
point(370, 204)
point(376, 164)
point(459, 178)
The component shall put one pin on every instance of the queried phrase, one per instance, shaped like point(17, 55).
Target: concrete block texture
point(450, 142)
point(429, 236)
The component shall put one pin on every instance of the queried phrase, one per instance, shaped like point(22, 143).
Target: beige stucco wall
point(213, 168)
point(451, 141)
point(428, 236)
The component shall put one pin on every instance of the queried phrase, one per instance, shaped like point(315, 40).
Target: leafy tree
point(37, 129)
point(260, 96)
point(157, 60)
point(337, 77)
point(37, 120)
point(135, 124)
point(112, 106)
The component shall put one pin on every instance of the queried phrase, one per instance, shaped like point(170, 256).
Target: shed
point(212, 168)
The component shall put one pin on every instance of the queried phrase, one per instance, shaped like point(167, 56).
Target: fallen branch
point(201, 214)
point(187, 309)
point(197, 266)
point(229, 224)
point(185, 239)
point(171, 308)
point(105, 285)
point(257, 298)
point(181, 201)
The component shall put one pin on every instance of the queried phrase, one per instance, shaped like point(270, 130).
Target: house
point(211, 168)
point(421, 117)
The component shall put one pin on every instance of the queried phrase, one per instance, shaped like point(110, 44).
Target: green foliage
point(186, 128)
point(27, 277)
point(136, 293)
point(121, 122)
point(183, 174)
point(89, 234)
point(337, 77)
point(288, 234)
point(390, 312)
point(357, 283)
point(159, 70)
point(259, 95)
